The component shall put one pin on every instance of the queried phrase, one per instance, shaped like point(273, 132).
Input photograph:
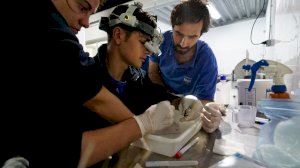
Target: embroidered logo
point(187, 80)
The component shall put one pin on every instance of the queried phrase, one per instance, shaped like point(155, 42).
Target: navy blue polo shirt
point(197, 77)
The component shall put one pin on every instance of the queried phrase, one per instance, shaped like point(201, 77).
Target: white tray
point(169, 144)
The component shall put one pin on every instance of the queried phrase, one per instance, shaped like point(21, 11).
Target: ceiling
point(236, 10)
point(230, 10)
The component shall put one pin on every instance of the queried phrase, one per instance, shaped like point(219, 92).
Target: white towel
point(228, 147)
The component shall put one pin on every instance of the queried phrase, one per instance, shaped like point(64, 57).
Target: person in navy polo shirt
point(187, 65)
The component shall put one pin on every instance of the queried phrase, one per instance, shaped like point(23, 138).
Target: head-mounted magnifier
point(129, 19)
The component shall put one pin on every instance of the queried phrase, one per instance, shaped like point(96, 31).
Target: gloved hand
point(156, 117)
point(190, 107)
point(211, 117)
point(18, 161)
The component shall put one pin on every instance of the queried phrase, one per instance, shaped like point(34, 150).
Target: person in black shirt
point(63, 84)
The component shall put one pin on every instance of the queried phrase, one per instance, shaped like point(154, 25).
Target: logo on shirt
point(187, 80)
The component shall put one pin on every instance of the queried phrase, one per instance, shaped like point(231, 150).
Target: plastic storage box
point(169, 144)
point(279, 140)
point(279, 108)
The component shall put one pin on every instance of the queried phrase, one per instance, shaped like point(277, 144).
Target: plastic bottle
point(222, 94)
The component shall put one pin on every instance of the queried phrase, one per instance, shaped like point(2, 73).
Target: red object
point(178, 155)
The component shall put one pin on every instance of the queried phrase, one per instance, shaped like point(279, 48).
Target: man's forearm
point(99, 144)
point(153, 73)
point(108, 106)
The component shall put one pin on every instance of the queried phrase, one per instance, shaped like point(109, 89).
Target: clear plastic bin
point(279, 140)
point(279, 108)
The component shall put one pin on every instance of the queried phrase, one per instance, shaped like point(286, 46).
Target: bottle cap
point(178, 155)
point(222, 77)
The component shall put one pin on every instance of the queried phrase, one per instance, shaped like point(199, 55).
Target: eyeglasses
point(79, 6)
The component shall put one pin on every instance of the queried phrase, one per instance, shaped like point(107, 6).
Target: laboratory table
point(202, 151)
point(135, 157)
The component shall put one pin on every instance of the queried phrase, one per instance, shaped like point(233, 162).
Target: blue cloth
point(197, 77)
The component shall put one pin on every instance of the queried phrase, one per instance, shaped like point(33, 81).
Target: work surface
point(202, 152)
point(135, 157)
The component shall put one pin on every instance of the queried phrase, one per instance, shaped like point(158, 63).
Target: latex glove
point(222, 109)
point(156, 117)
point(190, 107)
point(211, 117)
point(16, 162)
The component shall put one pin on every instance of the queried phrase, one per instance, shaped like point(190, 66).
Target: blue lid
point(222, 77)
point(278, 88)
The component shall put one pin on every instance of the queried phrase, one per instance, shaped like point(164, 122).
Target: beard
point(183, 51)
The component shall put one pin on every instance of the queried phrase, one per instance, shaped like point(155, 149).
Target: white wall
point(286, 30)
point(229, 43)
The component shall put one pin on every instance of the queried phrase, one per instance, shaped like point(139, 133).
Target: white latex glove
point(211, 117)
point(156, 117)
point(190, 107)
point(16, 162)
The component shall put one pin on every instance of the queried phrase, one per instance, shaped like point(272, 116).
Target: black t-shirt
point(49, 88)
point(73, 78)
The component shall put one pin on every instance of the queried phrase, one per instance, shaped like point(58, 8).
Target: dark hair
point(191, 11)
point(138, 13)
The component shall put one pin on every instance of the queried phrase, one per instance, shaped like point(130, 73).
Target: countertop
point(202, 151)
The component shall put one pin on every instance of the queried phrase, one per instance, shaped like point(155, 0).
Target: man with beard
point(187, 65)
